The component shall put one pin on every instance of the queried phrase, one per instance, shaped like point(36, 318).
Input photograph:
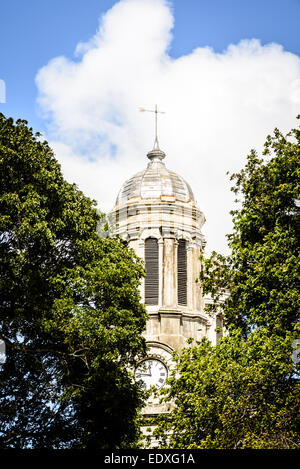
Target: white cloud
point(218, 106)
point(2, 91)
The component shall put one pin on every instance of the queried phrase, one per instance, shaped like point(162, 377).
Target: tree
point(238, 394)
point(262, 273)
point(70, 312)
point(244, 392)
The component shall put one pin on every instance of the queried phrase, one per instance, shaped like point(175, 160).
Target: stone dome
point(155, 182)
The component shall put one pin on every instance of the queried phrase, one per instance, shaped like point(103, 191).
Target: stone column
point(175, 272)
point(169, 276)
point(190, 272)
point(196, 286)
point(160, 270)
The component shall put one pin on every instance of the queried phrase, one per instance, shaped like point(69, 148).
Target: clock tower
point(156, 214)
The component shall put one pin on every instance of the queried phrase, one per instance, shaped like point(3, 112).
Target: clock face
point(151, 372)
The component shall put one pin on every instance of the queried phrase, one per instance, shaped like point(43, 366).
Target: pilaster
point(169, 274)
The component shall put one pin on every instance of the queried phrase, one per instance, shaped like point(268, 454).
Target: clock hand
point(148, 370)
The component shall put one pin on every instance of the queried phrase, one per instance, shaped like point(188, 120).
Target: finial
point(156, 148)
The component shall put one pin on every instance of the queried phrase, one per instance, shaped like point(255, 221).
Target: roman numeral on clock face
point(151, 372)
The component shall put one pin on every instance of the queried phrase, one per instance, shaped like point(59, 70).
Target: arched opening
point(182, 273)
point(152, 273)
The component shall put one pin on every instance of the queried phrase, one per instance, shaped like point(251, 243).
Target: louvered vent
point(151, 281)
point(182, 273)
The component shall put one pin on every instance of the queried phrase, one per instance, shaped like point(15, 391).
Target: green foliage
point(238, 394)
point(70, 311)
point(244, 392)
point(262, 273)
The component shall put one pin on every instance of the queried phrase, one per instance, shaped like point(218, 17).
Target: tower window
point(182, 273)
point(151, 281)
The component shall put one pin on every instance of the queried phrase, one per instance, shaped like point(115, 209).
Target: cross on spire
point(156, 146)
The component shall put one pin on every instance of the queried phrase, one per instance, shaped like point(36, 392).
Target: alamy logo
point(2, 91)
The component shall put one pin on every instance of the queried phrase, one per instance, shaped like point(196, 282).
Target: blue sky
point(34, 31)
point(219, 102)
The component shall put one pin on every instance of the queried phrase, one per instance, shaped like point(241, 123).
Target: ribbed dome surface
point(155, 182)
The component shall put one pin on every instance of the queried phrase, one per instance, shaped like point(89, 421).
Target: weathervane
point(156, 146)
